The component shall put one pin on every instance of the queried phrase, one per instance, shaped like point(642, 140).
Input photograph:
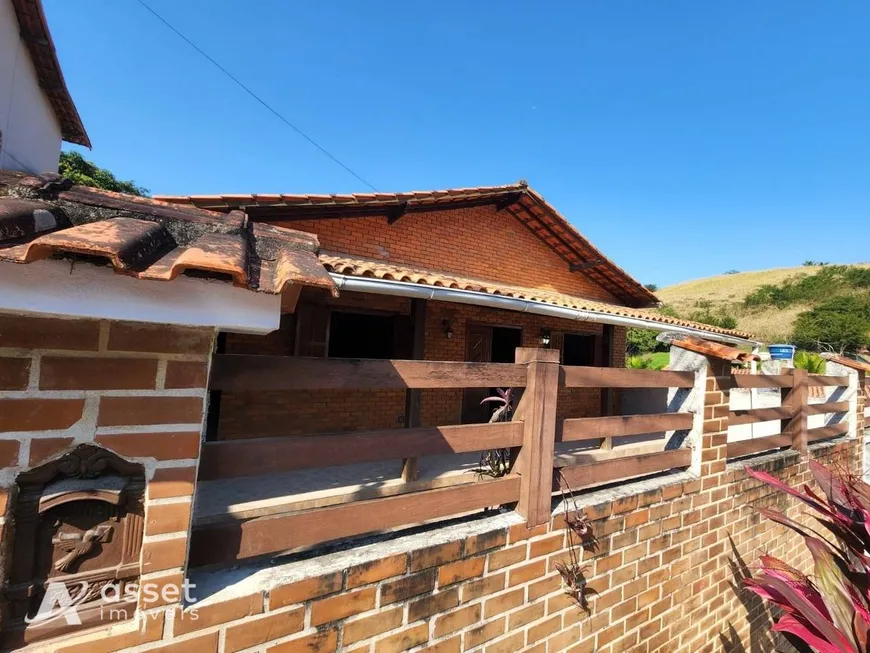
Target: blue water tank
point(781, 352)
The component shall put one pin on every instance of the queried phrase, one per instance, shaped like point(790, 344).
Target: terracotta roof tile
point(42, 217)
point(345, 264)
point(520, 201)
point(715, 349)
point(848, 362)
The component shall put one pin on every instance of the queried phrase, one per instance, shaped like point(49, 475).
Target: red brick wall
point(266, 414)
point(477, 242)
point(137, 390)
point(667, 573)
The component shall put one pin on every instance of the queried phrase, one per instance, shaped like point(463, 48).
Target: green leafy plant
point(642, 341)
point(830, 611)
point(647, 362)
point(87, 173)
point(812, 363)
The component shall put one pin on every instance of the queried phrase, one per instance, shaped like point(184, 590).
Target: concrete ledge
point(214, 586)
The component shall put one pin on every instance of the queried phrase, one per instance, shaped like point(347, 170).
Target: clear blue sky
point(683, 138)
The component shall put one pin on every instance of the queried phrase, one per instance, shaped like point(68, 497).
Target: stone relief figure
point(76, 520)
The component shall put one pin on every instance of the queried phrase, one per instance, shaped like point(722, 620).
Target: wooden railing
point(230, 539)
point(610, 463)
point(535, 472)
point(793, 412)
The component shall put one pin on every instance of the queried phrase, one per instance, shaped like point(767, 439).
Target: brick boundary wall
point(137, 390)
point(671, 554)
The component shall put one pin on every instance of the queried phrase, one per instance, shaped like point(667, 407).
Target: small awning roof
point(344, 264)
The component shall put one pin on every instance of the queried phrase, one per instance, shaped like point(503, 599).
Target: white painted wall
point(64, 289)
point(30, 131)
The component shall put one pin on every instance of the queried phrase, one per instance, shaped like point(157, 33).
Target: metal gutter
point(457, 296)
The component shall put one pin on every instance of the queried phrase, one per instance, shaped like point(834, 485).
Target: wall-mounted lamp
point(545, 337)
point(448, 329)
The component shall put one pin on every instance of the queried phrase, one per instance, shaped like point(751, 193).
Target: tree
point(642, 341)
point(841, 324)
point(86, 173)
point(652, 287)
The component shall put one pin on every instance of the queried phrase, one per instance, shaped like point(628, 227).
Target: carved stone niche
point(77, 520)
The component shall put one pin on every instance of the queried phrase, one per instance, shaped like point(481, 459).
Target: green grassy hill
point(726, 294)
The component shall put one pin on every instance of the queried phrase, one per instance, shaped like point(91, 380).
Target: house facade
point(36, 110)
point(124, 328)
point(460, 275)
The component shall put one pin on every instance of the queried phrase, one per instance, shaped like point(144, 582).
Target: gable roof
point(46, 216)
point(518, 200)
point(37, 38)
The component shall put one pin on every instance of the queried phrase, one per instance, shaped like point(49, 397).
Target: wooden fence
point(531, 437)
point(536, 472)
point(793, 412)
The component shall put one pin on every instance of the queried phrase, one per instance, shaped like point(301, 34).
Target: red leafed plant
point(830, 610)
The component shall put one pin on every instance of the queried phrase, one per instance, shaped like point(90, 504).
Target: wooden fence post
point(797, 397)
point(537, 409)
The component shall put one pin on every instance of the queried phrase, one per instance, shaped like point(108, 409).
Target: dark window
point(505, 341)
point(578, 350)
point(360, 335)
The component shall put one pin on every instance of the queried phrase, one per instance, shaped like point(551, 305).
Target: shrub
point(647, 362)
point(803, 288)
point(722, 321)
point(829, 612)
point(841, 324)
point(812, 363)
point(642, 341)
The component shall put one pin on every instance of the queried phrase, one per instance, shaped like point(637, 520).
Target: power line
point(26, 167)
point(254, 95)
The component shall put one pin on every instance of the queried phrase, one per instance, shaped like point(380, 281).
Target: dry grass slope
point(729, 290)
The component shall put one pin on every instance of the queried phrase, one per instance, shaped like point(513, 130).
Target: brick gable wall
point(479, 242)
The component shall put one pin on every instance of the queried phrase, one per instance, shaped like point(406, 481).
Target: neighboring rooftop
point(37, 37)
point(518, 200)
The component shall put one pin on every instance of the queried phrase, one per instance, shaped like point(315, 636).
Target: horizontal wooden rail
point(756, 445)
point(762, 381)
point(593, 428)
point(219, 543)
point(260, 456)
point(830, 407)
point(242, 373)
point(830, 431)
point(616, 469)
point(614, 377)
point(755, 415)
point(827, 381)
point(219, 503)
